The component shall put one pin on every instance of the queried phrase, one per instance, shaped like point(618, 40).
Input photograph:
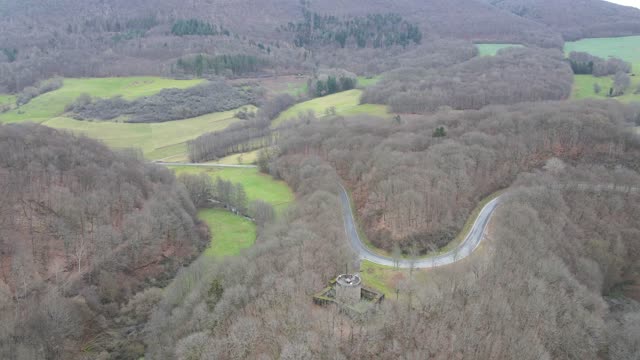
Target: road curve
point(468, 245)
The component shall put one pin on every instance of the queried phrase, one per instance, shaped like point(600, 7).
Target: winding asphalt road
point(470, 242)
point(468, 245)
point(464, 249)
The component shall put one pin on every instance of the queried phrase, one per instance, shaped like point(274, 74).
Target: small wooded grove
point(167, 105)
point(546, 284)
point(513, 76)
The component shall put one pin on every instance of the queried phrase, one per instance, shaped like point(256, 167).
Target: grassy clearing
point(492, 49)
point(52, 104)
point(257, 185)
point(346, 103)
point(625, 48)
point(583, 88)
point(366, 81)
point(387, 279)
point(229, 233)
point(156, 140)
point(296, 89)
point(6, 99)
point(382, 278)
point(247, 158)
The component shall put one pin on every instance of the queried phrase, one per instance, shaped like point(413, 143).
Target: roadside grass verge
point(257, 185)
point(52, 104)
point(388, 279)
point(346, 103)
point(382, 278)
point(492, 49)
point(156, 140)
point(230, 233)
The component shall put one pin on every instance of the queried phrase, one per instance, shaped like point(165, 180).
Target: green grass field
point(583, 88)
point(165, 140)
point(346, 103)
point(366, 81)
point(625, 48)
point(229, 233)
point(6, 99)
point(52, 104)
point(492, 49)
point(257, 185)
point(247, 158)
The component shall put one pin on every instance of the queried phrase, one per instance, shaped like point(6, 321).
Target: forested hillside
point(577, 19)
point(74, 38)
point(415, 186)
point(83, 230)
point(545, 286)
point(254, 150)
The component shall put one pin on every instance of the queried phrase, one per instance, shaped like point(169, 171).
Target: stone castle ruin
point(347, 292)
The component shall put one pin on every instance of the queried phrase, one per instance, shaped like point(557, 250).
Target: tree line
point(372, 30)
point(245, 136)
point(236, 65)
point(330, 84)
point(197, 27)
point(167, 105)
point(585, 63)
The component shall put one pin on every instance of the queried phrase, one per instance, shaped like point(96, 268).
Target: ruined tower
point(348, 288)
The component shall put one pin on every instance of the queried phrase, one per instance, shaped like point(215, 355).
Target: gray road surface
point(468, 245)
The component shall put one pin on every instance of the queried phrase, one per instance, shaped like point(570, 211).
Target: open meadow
point(166, 140)
point(230, 233)
point(258, 186)
point(625, 48)
point(346, 103)
point(52, 104)
point(492, 49)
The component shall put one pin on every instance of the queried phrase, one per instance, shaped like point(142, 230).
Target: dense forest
point(82, 231)
point(374, 30)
